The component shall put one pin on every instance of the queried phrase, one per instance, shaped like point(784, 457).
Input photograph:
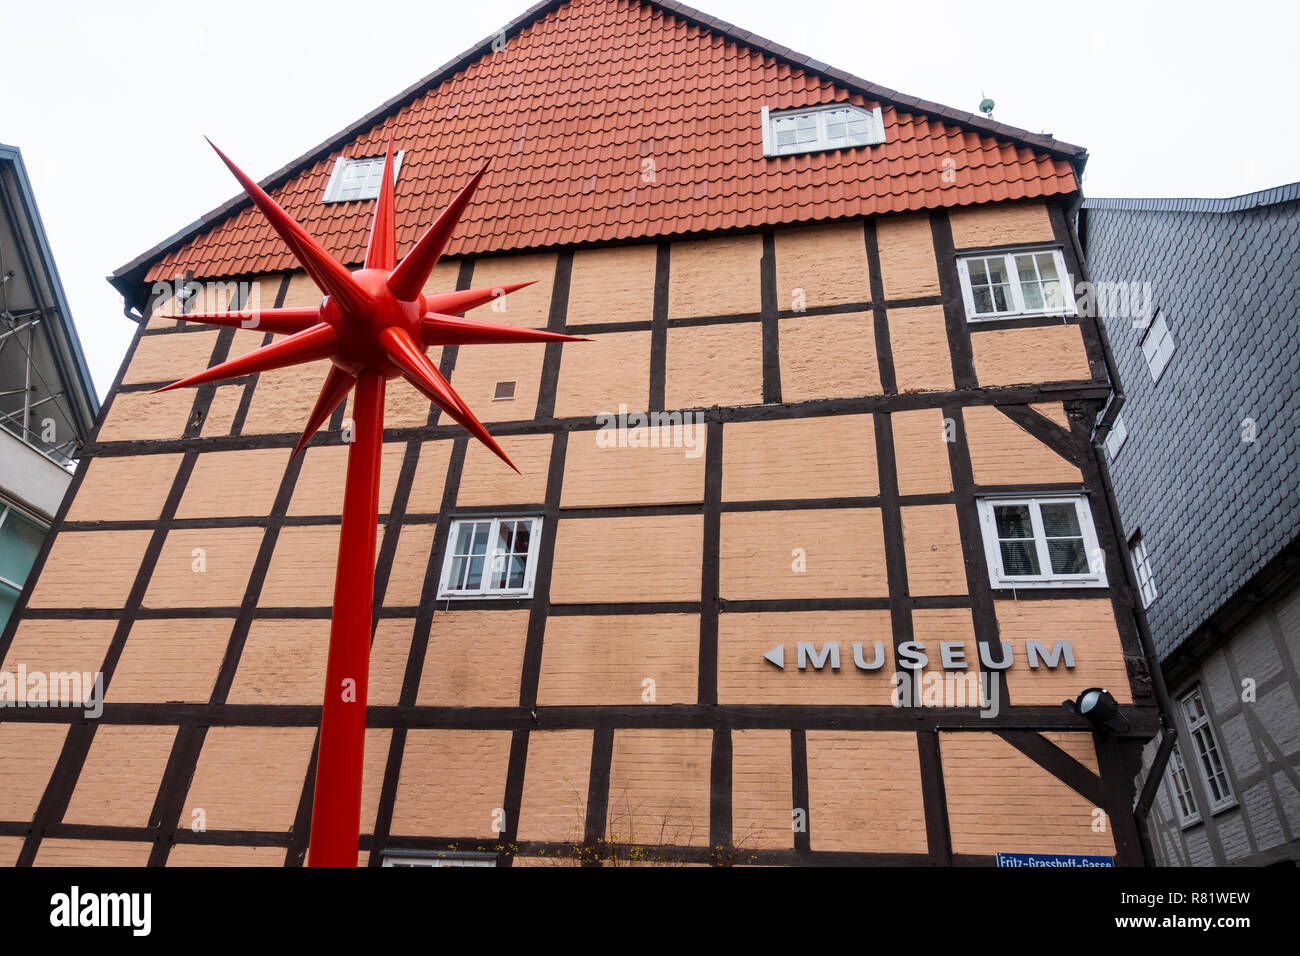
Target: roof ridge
point(1271, 196)
point(866, 87)
point(124, 277)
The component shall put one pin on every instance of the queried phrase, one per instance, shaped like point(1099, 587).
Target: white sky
point(109, 101)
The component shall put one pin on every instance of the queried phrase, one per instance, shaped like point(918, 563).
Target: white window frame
point(1018, 308)
point(334, 188)
point(1217, 785)
point(484, 591)
point(1158, 345)
point(1146, 578)
point(1182, 791)
point(873, 138)
point(1095, 577)
point(1118, 435)
point(403, 858)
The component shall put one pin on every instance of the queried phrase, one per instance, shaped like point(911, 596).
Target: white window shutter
point(336, 176)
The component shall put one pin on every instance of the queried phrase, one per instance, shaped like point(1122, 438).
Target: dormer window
point(834, 126)
point(355, 179)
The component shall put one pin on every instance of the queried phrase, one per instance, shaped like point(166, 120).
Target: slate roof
point(582, 94)
point(1212, 508)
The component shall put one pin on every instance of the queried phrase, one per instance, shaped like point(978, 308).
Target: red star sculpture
point(373, 324)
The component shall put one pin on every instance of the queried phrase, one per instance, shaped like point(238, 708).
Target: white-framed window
point(1157, 345)
point(1199, 728)
point(439, 858)
point(996, 285)
point(1115, 440)
point(20, 539)
point(505, 392)
point(1142, 570)
point(491, 557)
point(355, 179)
point(1181, 785)
point(1041, 542)
point(833, 126)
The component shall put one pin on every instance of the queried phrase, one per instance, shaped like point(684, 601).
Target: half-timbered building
point(810, 541)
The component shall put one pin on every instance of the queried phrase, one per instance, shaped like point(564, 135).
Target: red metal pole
point(336, 808)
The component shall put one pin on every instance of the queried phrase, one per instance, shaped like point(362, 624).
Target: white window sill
point(1232, 805)
point(1002, 317)
point(1021, 584)
point(479, 596)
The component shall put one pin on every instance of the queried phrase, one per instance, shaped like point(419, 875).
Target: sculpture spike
point(421, 373)
point(317, 342)
point(454, 303)
point(279, 321)
point(410, 358)
point(326, 271)
point(381, 253)
point(448, 330)
point(337, 385)
point(413, 272)
point(367, 334)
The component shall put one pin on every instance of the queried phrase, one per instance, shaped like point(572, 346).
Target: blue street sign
point(1053, 859)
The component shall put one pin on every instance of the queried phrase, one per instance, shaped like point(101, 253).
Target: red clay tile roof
point(583, 94)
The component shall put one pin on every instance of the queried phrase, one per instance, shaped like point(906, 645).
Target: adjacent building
point(811, 539)
point(1201, 302)
point(47, 399)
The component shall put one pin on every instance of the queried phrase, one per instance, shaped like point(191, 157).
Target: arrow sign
point(777, 656)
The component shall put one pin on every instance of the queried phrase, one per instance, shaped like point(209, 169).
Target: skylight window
point(357, 179)
point(835, 126)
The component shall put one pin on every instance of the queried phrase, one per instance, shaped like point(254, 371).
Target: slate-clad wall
point(1213, 509)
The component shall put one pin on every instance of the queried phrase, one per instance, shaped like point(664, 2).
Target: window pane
point(505, 531)
point(475, 579)
point(1068, 556)
point(1019, 557)
point(517, 572)
point(1025, 266)
point(1052, 297)
point(523, 536)
point(997, 270)
point(20, 539)
point(836, 124)
point(1060, 520)
point(456, 579)
point(1000, 298)
point(500, 565)
point(1013, 521)
point(977, 271)
point(464, 538)
point(1033, 295)
point(1047, 266)
point(481, 531)
point(8, 598)
point(983, 300)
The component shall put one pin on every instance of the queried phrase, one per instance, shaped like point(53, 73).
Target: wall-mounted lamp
point(1099, 708)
